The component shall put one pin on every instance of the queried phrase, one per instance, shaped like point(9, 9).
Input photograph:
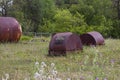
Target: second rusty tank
point(61, 43)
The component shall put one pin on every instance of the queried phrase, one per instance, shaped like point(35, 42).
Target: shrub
point(25, 38)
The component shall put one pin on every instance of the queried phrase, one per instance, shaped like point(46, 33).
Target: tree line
point(78, 16)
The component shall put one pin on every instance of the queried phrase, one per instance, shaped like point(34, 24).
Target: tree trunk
point(118, 8)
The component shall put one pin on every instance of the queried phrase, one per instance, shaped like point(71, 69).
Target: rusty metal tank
point(92, 38)
point(10, 29)
point(61, 43)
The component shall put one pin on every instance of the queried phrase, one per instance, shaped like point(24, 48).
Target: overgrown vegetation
point(19, 60)
point(78, 16)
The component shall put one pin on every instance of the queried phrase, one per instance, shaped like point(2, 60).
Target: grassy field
point(19, 60)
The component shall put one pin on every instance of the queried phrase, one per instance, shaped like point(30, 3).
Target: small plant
point(25, 38)
point(45, 72)
point(6, 77)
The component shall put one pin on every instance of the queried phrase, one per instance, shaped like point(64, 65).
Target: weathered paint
point(10, 29)
point(92, 38)
point(64, 42)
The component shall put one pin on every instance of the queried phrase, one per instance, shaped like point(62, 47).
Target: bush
point(64, 21)
point(116, 29)
point(25, 38)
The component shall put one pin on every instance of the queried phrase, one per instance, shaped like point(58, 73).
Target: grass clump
point(25, 38)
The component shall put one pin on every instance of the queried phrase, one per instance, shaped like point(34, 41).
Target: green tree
point(98, 14)
point(4, 7)
point(65, 21)
point(116, 8)
point(37, 10)
point(17, 10)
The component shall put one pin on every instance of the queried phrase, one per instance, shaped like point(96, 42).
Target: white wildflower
point(41, 71)
point(105, 78)
point(48, 78)
point(68, 79)
point(36, 63)
point(46, 74)
point(7, 76)
point(3, 78)
point(54, 73)
point(43, 64)
point(97, 51)
point(52, 64)
point(44, 77)
point(37, 75)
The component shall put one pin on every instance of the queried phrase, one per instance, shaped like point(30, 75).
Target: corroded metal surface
point(10, 29)
point(64, 42)
point(92, 38)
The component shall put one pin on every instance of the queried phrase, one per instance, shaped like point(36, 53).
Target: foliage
point(17, 11)
point(4, 7)
point(37, 10)
point(65, 21)
point(52, 16)
point(116, 29)
point(25, 38)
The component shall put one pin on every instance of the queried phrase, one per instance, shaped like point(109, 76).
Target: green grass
point(18, 60)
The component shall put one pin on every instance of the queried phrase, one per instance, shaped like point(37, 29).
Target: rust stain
point(61, 43)
point(10, 29)
point(92, 38)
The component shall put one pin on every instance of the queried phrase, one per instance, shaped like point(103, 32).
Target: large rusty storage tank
point(61, 43)
point(10, 29)
point(92, 38)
